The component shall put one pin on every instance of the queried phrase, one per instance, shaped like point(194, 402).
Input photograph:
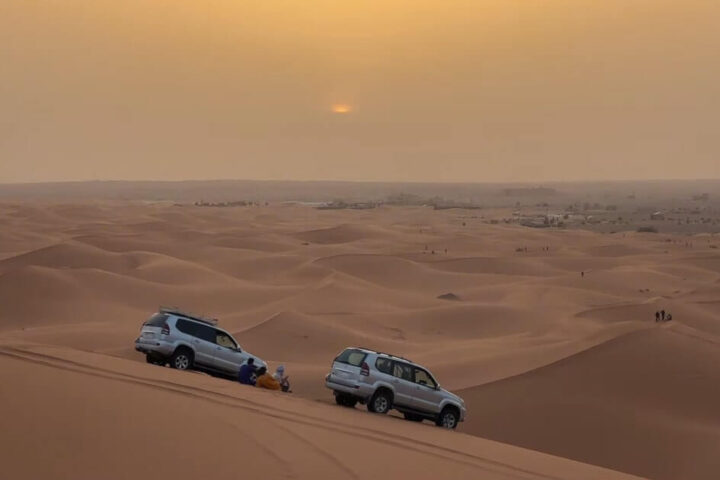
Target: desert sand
point(565, 376)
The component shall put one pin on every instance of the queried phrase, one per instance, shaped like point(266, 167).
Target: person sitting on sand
point(246, 376)
point(265, 380)
point(668, 317)
point(283, 380)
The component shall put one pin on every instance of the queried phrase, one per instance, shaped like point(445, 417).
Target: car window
point(352, 357)
point(157, 320)
point(403, 370)
point(224, 340)
point(423, 378)
point(205, 332)
point(384, 365)
point(189, 328)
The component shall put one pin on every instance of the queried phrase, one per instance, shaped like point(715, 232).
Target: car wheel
point(182, 359)
point(345, 400)
point(381, 402)
point(412, 417)
point(448, 418)
point(154, 360)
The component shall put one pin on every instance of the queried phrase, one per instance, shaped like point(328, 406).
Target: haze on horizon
point(391, 90)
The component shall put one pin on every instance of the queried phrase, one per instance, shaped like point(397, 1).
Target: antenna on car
point(192, 316)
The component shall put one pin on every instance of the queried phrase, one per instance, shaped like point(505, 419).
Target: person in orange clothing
point(265, 380)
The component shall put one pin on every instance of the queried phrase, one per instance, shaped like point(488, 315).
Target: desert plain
point(549, 335)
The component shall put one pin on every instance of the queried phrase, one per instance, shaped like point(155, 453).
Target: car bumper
point(153, 346)
point(360, 390)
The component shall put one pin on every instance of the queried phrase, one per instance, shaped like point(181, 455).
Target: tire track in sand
point(399, 441)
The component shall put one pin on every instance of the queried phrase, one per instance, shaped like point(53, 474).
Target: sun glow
point(341, 108)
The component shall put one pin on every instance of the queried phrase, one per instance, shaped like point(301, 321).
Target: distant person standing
point(582, 274)
point(657, 317)
point(662, 315)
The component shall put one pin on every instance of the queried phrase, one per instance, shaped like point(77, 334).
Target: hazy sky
point(408, 90)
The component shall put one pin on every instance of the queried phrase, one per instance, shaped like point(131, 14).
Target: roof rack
point(192, 316)
point(383, 353)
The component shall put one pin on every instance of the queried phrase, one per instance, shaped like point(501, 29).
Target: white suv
point(189, 341)
point(384, 382)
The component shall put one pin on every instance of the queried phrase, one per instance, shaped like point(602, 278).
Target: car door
point(425, 397)
point(228, 357)
point(403, 383)
point(203, 341)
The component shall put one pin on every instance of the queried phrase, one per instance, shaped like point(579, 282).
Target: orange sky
point(452, 90)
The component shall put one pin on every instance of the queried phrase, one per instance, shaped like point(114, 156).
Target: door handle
point(196, 341)
point(396, 381)
point(217, 348)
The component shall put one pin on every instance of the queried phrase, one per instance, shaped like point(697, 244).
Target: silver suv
point(384, 382)
point(189, 341)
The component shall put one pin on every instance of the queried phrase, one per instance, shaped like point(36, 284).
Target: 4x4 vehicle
point(384, 382)
point(189, 341)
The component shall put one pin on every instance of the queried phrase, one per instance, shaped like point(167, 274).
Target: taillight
point(165, 329)
point(364, 369)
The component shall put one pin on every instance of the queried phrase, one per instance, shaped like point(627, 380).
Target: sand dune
point(547, 359)
point(121, 419)
point(339, 234)
point(635, 403)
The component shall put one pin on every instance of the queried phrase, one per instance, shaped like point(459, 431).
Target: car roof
point(191, 319)
point(369, 350)
point(190, 316)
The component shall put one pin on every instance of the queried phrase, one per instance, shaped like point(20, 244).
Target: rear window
point(157, 320)
point(352, 357)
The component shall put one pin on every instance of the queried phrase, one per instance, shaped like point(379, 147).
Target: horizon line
point(409, 182)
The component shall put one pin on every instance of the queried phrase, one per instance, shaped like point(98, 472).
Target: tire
point(412, 417)
point(448, 418)
point(153, 360)
point(345, 400)
point(182, 359)
point(381, 402)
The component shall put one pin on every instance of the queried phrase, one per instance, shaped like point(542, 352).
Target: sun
point(341, 108)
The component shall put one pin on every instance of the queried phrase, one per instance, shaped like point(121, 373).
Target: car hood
point(258, 363)
point(452, 396)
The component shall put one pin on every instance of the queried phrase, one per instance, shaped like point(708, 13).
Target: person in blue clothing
point(246, 376)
